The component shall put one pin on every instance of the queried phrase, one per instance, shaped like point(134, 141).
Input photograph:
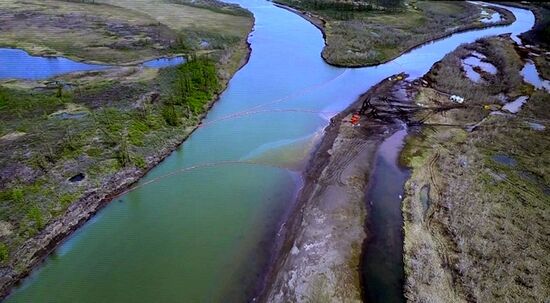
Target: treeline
point(388, 3)
point(194, 86)
point(352, 6)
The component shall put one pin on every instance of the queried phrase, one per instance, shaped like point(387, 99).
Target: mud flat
point(320, 257)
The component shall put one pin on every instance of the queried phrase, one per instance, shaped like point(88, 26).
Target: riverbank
point(538, 35)
point(476, 206)
point(371, 36)
point(34, 251)
point(51, 190)
point(318, 259)
point(320, 256)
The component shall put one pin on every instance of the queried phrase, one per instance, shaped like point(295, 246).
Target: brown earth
point(476, 205)
point(320, 253)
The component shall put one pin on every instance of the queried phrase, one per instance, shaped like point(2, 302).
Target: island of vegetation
point(71, 143)
point(363, 33)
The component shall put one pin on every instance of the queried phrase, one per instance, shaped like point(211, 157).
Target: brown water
point(382, 259)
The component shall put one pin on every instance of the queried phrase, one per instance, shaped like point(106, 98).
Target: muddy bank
point(33, 252)
point(319, 254)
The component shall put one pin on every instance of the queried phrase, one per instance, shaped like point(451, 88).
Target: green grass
point(4, 253)
point(40, 150)
point(358, 37)
point(121, 31)
point(105, 140)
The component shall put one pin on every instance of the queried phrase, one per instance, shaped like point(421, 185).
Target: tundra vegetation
point(120, 31)
point(476, 208)
point(79, 134)
point(540, 34)
point(360, 33)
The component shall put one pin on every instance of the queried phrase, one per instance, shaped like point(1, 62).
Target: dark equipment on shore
point(368, 109)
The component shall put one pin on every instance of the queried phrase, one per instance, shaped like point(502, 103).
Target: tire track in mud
point(334, 173)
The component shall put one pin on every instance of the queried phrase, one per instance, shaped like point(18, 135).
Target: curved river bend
point(204, 235)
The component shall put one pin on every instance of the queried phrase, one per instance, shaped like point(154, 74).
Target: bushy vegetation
point(540, 34)
point(195, 84)
point(4, 253)
point(334, 6)
point(447, 75)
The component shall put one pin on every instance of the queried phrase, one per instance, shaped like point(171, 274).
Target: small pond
point(531, 75)
point(18, 64)
point(473, 62)
point(504, 160)
point(515, 105)
point(164, 62)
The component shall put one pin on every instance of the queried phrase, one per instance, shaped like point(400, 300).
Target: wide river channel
point(205, 234)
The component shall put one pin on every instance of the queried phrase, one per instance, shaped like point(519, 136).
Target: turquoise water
point(205, 235)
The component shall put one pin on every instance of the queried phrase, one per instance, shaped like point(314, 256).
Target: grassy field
point(118, 31)
point(179, 15)
point(372, 35)
point(106, 126)
point(476, 209)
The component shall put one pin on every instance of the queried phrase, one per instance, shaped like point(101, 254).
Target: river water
point(205, 235)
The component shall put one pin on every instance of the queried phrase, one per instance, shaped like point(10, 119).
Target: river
point(205, 235)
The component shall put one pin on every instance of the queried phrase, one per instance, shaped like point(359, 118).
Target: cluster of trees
point(3, 98)
point(337, 5)
point(352, 6)
point(195, 84)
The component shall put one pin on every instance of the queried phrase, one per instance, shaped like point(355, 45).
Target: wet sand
point(319, 258)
